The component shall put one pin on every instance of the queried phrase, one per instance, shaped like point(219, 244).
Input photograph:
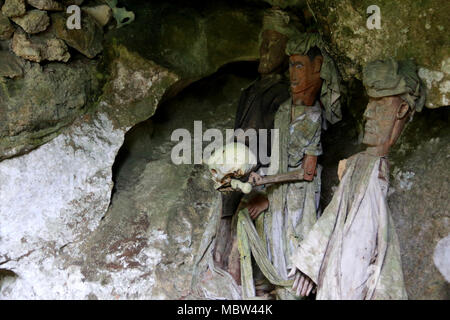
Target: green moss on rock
point(410, 29)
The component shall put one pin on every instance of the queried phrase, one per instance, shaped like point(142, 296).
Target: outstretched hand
point(303, 285)
point(256, 205)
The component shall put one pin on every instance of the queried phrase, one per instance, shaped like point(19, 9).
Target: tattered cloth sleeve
point(314, 148)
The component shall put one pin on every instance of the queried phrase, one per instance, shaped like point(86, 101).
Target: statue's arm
point(312, 151)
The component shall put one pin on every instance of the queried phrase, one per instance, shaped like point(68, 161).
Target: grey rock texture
point(33, 21)
point(40, 47)
point(416, 30)
point(420, 181)
point(52, 198)
point(11, 66)
point(49, 5)
point(14, 8)
point(191, 42)
point(35, 107)
point(101, 13)
point(87, 40)
point(6, 28)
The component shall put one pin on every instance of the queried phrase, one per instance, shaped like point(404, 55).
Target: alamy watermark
point(374, 20)
point(191, 150)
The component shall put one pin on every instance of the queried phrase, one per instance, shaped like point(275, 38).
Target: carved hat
point(384, 78)
point(331, 88)
point(280, 21)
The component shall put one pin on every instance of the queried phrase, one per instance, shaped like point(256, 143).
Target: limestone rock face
point(33, 21)
point(409, 30)
point(14, 8)
point(37, 48)
point(60, 191)
point(6, 28)
point(35, 108)
point(49, 5)
point(87, 40)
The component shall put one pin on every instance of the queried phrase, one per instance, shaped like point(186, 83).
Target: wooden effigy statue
point(256, 110)
point(291, 209)
point(352, 252)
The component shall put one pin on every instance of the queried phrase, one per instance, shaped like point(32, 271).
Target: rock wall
point(416, 30)
point(145, 244)
point(418, 200)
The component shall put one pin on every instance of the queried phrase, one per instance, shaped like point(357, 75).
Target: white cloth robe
point(352, 252)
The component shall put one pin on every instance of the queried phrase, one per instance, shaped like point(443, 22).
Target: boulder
point(49, 5)
point(37, 48)
point(23, 47)
point(101, 13)
point(6, 28)
point(33, 21)
point(14, 8)
point(136, 83)
point(87, 40)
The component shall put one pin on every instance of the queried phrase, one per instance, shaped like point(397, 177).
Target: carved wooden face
point(305, 78)
point(385, 119)
point(271, 51)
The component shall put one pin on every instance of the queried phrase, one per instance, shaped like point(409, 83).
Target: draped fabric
point(293, 207)
point(383, 78)
point(352, 252)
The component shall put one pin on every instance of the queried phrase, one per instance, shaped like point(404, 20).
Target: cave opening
point(212, 100)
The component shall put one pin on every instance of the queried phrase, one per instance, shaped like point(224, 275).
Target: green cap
point(280, 21)
point(388, 77)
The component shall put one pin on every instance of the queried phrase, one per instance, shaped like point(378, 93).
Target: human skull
point(232, 161)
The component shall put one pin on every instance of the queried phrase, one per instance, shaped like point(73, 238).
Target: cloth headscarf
point(331, 87)
point(384, 78)
point(280, 21)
